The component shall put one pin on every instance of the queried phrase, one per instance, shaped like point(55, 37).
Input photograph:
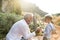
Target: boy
point(49, 28)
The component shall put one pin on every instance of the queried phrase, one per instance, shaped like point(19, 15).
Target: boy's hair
point(49, 17)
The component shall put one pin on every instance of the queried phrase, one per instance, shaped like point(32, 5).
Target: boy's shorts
point(44, 38)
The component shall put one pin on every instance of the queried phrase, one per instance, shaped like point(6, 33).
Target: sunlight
point(50, 6)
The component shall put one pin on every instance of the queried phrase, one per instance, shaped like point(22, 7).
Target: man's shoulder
point(20, 21)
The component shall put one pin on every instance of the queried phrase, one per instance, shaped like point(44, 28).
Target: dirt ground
point(56, 36)
point(53, 36)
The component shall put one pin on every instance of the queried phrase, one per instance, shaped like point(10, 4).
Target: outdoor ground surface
point(56, 36)
point(53, 36)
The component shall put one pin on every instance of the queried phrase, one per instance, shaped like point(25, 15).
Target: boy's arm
point(54, 31)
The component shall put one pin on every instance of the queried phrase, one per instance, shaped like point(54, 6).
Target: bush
point(6, 21)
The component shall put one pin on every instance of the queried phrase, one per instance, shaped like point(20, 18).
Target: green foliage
point(0, 4)
point(32, 27)
point(6, 21)
point(59, 24)
point(11, 6)
point(58, 14)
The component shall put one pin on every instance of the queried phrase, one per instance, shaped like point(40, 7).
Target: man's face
point(29, 20)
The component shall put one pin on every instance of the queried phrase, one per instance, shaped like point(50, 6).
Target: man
point(21, 29)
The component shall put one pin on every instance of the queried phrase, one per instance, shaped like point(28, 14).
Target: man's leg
point(44, 38)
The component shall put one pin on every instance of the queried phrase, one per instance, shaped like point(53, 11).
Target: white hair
point(28, 15)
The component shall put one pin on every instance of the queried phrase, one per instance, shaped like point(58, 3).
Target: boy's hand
point(54, 32)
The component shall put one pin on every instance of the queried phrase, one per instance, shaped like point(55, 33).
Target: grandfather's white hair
point(28, 15)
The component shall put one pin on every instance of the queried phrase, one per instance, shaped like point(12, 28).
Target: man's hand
point(38, 31)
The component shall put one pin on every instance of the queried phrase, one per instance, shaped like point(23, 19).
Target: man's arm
point(26, 32)
point(30, 35)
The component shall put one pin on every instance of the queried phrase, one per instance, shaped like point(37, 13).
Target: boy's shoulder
point(51, 24)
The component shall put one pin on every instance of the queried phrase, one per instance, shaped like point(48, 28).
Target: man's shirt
point(18, 30)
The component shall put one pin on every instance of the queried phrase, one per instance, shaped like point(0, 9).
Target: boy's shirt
point(49, 28)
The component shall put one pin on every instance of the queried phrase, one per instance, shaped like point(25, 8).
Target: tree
point(58, 14)
point(6, 21)
point(0, 4)
point(11, 6)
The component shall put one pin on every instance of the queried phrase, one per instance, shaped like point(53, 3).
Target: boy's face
point(47, 20)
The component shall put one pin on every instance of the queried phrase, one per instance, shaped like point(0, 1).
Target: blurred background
point(14, 10)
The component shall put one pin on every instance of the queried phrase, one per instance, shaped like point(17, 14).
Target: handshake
point(38, 31)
